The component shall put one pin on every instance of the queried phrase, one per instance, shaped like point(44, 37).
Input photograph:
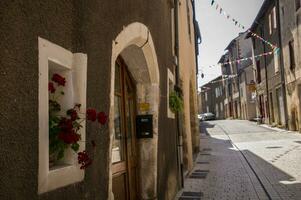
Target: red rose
point(58, 79)
point(51, 87)
point(73, 114)
point(91, 114)
point(69, 137)
point(102, 118)
point(83, 159)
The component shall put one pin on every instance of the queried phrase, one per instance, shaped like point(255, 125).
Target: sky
point(218, 31)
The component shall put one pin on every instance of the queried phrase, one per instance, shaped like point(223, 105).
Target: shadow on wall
point(275, 180)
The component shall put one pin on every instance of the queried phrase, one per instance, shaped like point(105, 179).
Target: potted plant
point(65, 125)
point(175, 102)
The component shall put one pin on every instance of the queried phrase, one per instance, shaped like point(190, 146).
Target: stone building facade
point(290, 16)
point(98, 45)
point(271, 95)
point(188, 37)
point(213, 96)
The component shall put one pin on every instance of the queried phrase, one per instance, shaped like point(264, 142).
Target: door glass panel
point(128, 119)
point(118, 148)
point(117, 79)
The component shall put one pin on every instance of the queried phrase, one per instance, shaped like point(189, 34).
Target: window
point(206, 96)
point(274, 18)
point(258, 71)
point(53, 59)
point(170, 88)
point(292, 54)
point(276, 60)
point(298, 4)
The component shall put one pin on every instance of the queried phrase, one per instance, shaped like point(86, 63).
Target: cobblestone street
point(241, 160)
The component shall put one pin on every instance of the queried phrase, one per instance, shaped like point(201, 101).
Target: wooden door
point(124, 144)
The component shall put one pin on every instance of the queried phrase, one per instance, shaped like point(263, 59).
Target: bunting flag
point(224, 78)
point(228, 16)
point(274, 47)
point(239, 25)
point(243, 59)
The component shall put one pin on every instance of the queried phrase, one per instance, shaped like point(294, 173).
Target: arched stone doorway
point(135, 45)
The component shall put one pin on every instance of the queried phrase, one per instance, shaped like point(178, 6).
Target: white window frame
point(170, 78)
point(74, 66)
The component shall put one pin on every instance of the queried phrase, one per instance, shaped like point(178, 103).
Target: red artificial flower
point(69, 137)
point(102, 118)
point(83, 159)
point(66, 124)
point(58, 79)
point(91, 114)
point(51, 87)
point(73, 114)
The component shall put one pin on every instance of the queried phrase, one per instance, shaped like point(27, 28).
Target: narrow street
point(241, 160)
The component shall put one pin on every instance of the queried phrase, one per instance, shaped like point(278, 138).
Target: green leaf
point(75, 147)
point(175, 102)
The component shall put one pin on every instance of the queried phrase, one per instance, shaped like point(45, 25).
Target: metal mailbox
point(144, 126)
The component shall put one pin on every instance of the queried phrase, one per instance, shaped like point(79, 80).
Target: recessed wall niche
point(73, 67)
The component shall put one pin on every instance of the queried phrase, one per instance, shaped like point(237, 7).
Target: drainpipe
point(178, 90)
point(282, 65)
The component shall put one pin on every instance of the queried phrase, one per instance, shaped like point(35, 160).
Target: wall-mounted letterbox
point(144, 126)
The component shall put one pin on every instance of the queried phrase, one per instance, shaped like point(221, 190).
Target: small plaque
point(144, 107)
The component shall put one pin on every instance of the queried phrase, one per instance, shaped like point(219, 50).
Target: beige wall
point(187, 63)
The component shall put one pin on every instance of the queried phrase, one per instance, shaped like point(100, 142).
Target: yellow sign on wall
point(144, 107)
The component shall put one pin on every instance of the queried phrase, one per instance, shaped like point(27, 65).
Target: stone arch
point(135, 44)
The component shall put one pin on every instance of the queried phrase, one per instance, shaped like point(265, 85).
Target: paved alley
point(241, 160)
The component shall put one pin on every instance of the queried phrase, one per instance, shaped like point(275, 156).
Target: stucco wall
point(79, 26)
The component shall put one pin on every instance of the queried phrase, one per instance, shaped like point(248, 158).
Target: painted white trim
point(75, 67)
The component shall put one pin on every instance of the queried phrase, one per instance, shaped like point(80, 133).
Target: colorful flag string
point(224, 78)
point(237, 23)
point(242, 59)
point(228, 16)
